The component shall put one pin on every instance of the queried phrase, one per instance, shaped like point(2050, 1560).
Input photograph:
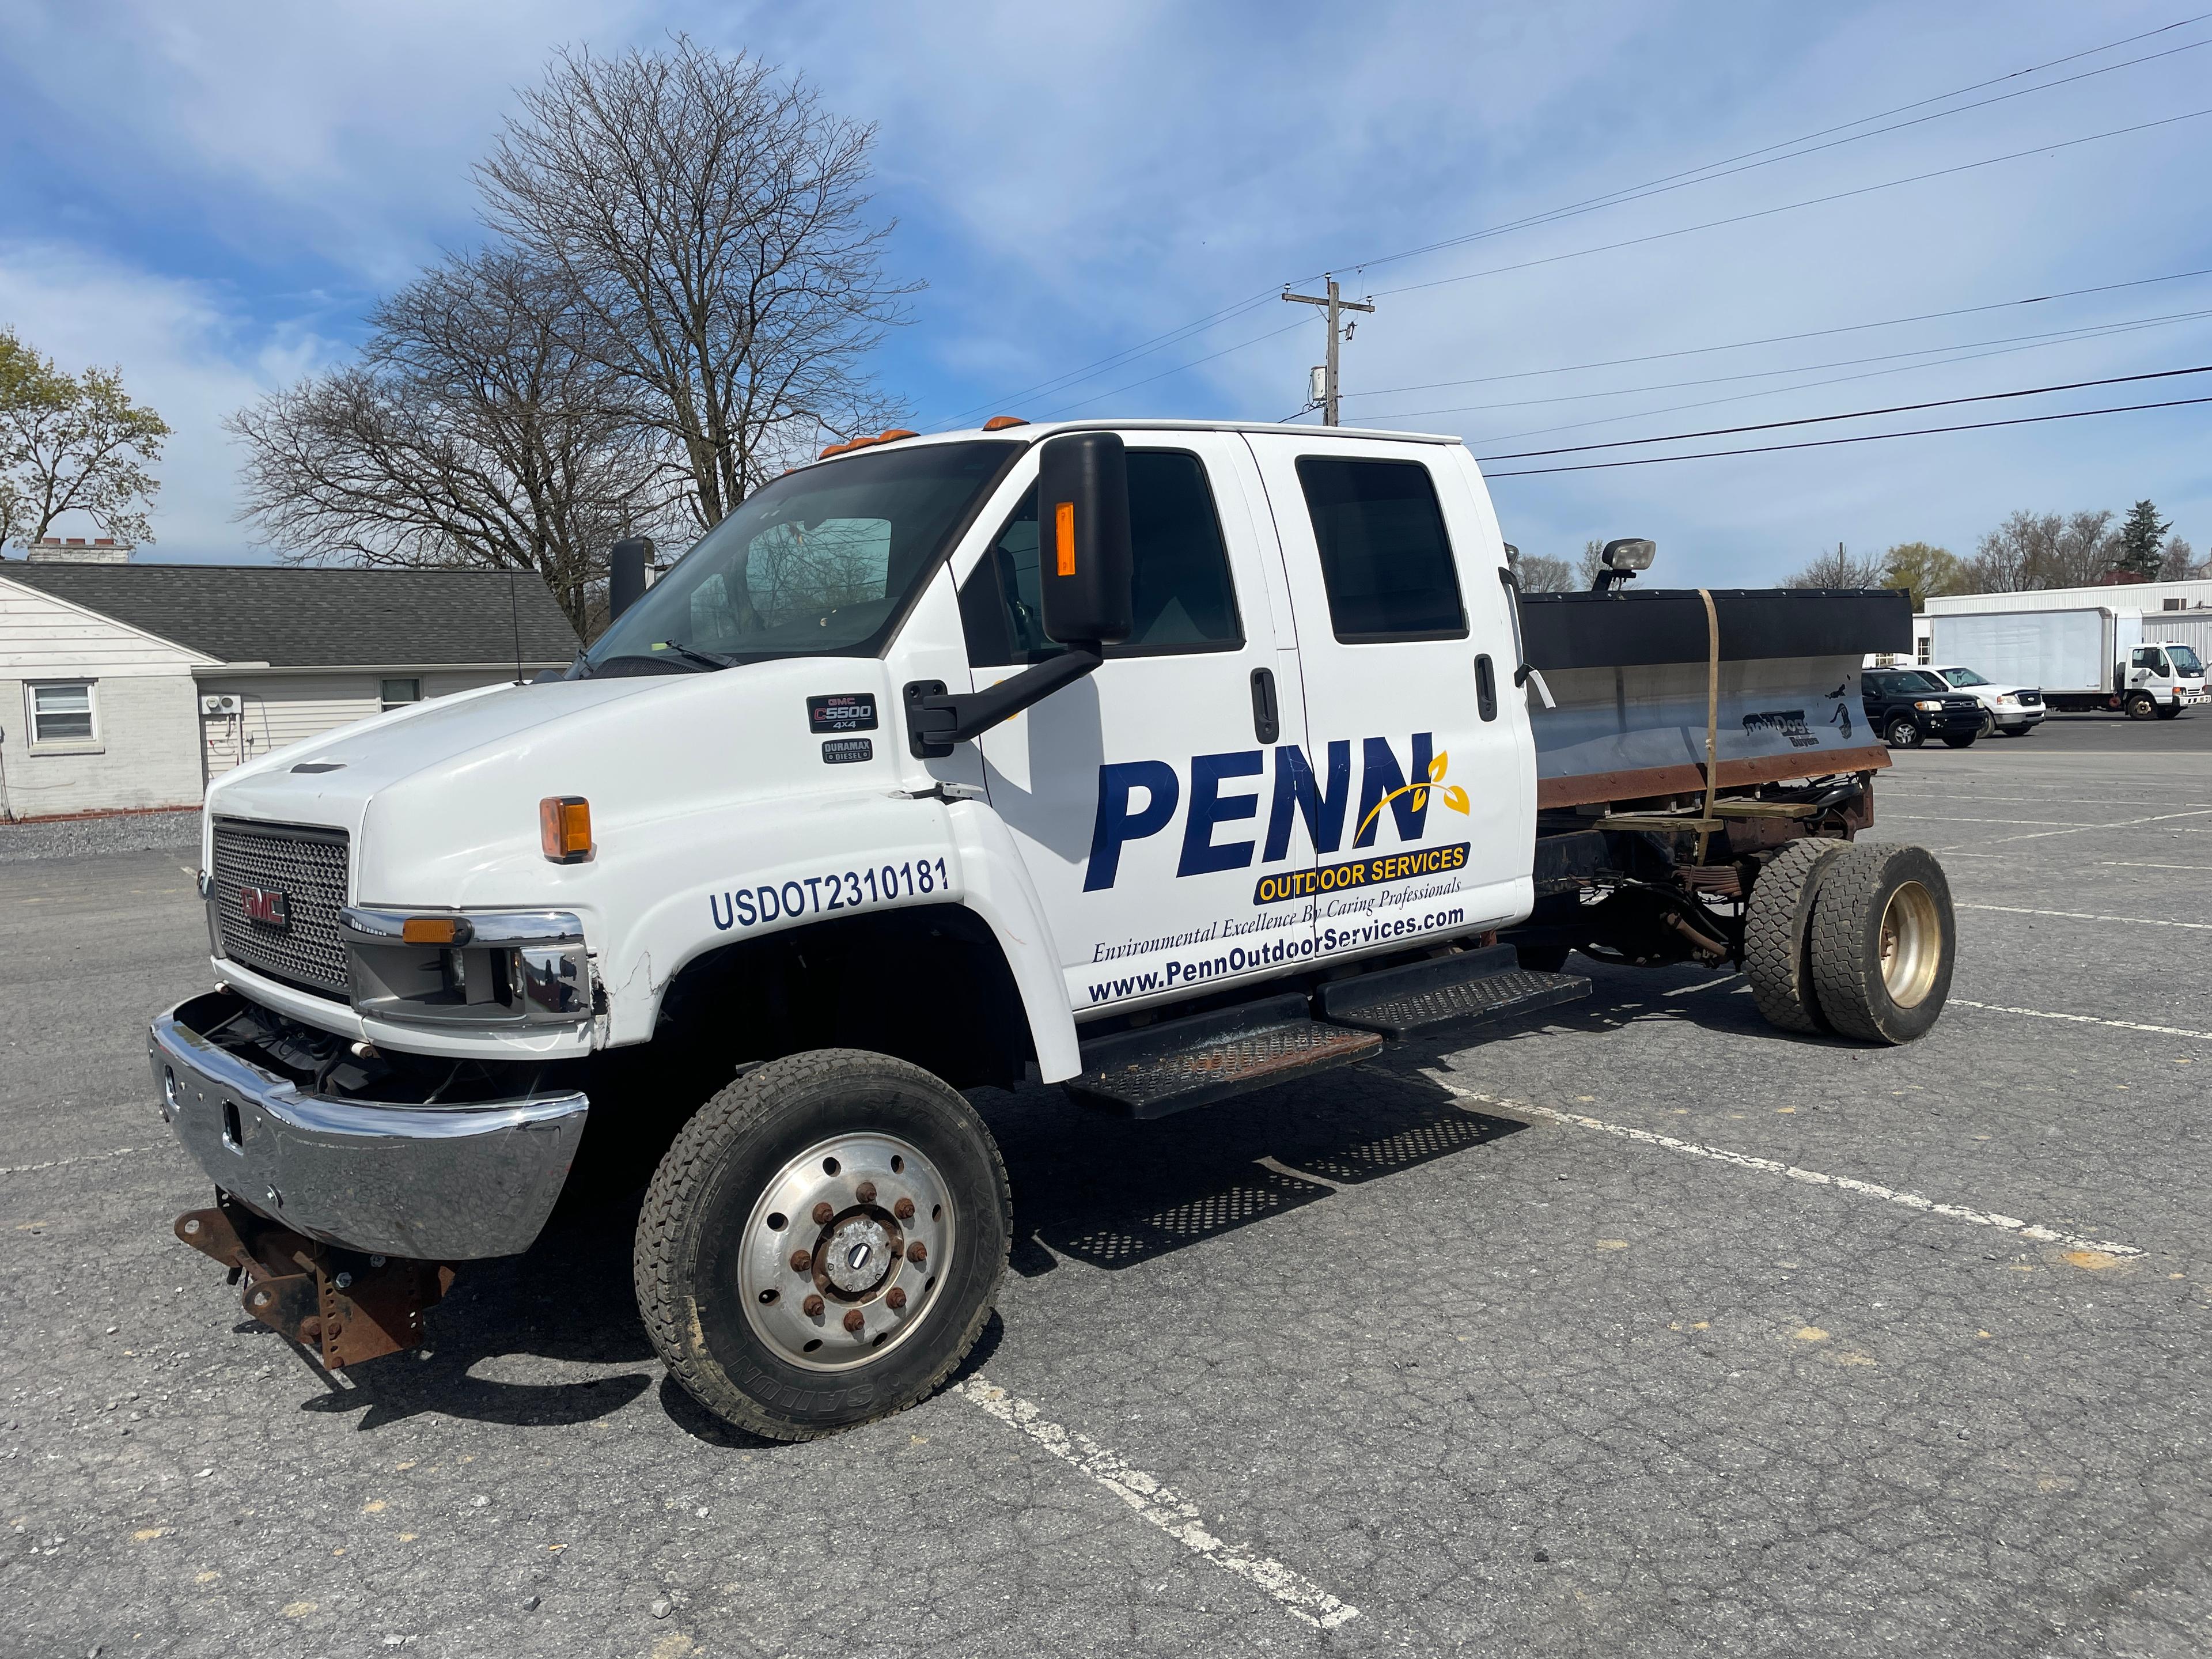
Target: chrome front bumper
point(437, 1183)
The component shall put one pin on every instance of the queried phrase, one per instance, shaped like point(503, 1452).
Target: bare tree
point(472, 431)
point(73, 445)
point(708, 219)
point(1539, 572)
point(1841, 568)
point(1592, 562)
point(2011, 558)
point(2083, 552)
point(2179, 560)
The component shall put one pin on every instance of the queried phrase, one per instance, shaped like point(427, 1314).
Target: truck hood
point(441, 799)
point(329, 779)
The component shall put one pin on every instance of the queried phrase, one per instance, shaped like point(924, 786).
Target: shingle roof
point(315, 616)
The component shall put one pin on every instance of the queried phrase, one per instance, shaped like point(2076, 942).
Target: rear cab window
point(1386, 560)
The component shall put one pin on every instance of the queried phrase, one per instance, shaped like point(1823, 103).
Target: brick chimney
point(75, 549)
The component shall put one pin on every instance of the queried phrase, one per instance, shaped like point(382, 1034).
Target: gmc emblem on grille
point(266, 906)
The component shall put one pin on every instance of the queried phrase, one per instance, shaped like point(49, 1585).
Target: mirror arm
point(950, 718)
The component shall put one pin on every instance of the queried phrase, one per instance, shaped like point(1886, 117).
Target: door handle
point(1485, 688)
point(1266, 721)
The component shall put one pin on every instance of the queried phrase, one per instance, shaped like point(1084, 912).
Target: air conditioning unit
point(224, 704)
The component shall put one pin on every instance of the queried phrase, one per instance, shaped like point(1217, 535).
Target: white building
point(128, 686)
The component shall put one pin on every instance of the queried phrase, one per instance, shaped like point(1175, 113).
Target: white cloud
point(186, 350)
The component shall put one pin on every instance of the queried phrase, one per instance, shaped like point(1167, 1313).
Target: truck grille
point(2030, 699)
point(307, 867)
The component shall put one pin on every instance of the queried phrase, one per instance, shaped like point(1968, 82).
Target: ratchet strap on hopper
point(1713, 718)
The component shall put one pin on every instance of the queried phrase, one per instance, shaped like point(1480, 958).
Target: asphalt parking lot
point(1640, 1328)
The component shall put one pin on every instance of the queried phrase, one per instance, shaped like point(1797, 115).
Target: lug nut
point(812, 1307)
point(823, 1215)
point(865, 1192)
point(854, 1320)
point(917, 1252)
point(800, 1262)
point(903, 1209)
point(895, 1298)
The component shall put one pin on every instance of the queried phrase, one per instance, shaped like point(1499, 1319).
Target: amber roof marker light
point(564, 827)
point(1001, 423)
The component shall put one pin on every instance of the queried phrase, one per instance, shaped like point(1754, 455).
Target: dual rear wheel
point(1853, 939)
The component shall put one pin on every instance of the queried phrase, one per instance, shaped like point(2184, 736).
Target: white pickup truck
point(1161, 760)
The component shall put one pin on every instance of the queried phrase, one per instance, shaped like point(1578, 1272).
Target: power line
point(1712, 170)
point(1117, 392)
point(2055, 336)
point(1861, 438)
point(1854, 415)
point(1807, 386)
point(1782, 339)
point(1627, 194)
point(1788, 207)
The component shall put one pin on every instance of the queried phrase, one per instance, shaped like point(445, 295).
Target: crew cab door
point(1139, 796)
point(1419, 741)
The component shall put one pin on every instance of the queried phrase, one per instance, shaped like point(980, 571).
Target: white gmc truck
point(1160, 760)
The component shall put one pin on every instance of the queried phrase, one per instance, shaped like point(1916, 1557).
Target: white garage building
point(127, 686)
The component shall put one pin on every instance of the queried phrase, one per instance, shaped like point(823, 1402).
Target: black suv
point(1908, 706)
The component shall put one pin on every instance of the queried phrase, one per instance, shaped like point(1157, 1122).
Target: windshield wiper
point(713, 659)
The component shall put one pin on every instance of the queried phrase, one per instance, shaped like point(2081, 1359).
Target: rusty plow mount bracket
point(342, 1306)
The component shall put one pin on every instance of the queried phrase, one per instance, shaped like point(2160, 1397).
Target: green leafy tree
point(73, 445)
point(2142, 547)
point(1922, 570)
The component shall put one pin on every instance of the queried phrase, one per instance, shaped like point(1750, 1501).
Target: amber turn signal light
point(435, 930)
point(564, 827)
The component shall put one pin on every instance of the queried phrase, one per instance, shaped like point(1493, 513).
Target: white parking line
point(62, 1163)
point(2012, 1224)
point(2133, 863)
point(2084, 828)
point(2082, 1020)
point(1162, 1505)
point(2085, 915)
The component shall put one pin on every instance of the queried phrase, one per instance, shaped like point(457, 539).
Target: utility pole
point(1335, 305)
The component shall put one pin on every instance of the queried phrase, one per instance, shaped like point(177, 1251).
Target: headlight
point(1932, 707)
point(486, 969)
point(2008, 701)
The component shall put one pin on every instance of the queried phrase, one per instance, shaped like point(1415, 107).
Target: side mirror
point(626, 563)
point(1084, 561)
point(1084, 568)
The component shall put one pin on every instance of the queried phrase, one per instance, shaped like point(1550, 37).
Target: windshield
point(1909, 680)
point(2185, 662)
point(821, 563)
point(1963, 677)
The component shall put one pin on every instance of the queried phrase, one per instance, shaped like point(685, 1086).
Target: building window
point(61, 714)
point(394, 693)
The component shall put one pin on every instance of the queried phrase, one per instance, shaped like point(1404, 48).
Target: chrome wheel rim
point(843, 1249)
point(1912, 944)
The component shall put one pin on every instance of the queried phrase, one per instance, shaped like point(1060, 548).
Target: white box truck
point(2084, 657)
point(1159, 760)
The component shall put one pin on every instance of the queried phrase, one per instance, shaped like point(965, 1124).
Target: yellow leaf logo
point(1453, 795)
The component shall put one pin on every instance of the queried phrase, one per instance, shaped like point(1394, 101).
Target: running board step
point(1178, 1064)
point(1465, 989)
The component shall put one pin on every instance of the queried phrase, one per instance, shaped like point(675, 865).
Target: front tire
point(1777, 932)
point(1903, 734)
point(823, 1243)
point(2141, 706)
point(1883, 942)
point(1967, 742)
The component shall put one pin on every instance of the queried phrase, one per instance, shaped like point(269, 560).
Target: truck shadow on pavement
point(1090, 1189)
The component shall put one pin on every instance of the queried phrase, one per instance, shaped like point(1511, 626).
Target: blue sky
point(210, 195)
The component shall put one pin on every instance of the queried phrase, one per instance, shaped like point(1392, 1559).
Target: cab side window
point(1385, 558)
point(1182, 596)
